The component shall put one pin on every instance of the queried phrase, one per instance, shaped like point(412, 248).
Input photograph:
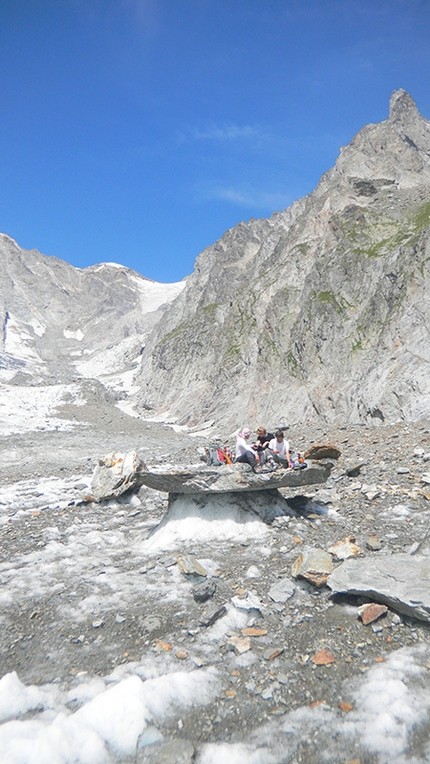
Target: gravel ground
point(84, 589)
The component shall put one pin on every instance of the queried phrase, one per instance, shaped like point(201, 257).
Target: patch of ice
point(221, 522)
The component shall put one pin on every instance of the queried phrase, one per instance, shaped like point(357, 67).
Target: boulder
point(116, 474)
point(400, 581)
point(323, 451)
point(229, 478)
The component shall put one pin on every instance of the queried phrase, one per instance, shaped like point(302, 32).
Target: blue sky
point(138, 131)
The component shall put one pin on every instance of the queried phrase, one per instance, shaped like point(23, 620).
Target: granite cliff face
point(321, 310)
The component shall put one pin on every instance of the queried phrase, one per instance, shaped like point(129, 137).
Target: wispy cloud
point(225, 133)
point(249, 197)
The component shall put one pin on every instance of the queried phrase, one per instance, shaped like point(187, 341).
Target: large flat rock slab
point(230, 478)
point(400, 581)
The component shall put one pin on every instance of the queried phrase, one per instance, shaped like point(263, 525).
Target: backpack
point(215, 456)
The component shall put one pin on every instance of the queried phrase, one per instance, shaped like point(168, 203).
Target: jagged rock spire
point(402, 105)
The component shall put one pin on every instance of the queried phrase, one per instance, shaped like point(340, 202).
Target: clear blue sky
point(138, 131)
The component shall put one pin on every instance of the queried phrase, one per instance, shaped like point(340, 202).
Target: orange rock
point(251, 631)
point(231, 693)
point(323, 658)
point(323, 451)
point(162, 647)
point(345, 706)
point(316, 703)
point(380, 660)
point(181, 655)
point(371, 612)
point(297, 540)
point(240, 644)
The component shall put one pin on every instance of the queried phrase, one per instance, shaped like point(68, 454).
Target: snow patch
point(109, 723)
point(25, 409)
point(154, 294)
point(76, 334)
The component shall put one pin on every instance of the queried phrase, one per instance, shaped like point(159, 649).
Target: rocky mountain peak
point(317, 311)
point(402, 106)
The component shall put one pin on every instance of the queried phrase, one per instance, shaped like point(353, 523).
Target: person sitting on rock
point(244, 452)
point(262, 445)
point(280, 449)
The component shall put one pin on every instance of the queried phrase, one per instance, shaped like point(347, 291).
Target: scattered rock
point(314, 565)
point(345, 548)
point(374, 543)
point(345, 706)
point(323, 658)
point(240, 644)
point(190, 566)
point(213, 613)
point(204, 591)
point(354, 471)
point(282, 590)
point(249, 602)
point(252, 631)
point(371, 611)
point(371, 492)
point(273, 652)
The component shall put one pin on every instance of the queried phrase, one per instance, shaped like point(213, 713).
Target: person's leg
point(247, 458)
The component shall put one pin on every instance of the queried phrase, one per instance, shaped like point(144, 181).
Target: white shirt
point(280, 447)
point(242, 447)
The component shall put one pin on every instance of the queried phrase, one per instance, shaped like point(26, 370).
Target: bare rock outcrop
point(321, 310)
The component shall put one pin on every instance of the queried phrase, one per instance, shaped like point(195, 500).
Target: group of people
point(268, 451)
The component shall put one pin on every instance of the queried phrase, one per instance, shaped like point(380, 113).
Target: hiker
point(262, 444)
point(280, 449)
point(244, 452)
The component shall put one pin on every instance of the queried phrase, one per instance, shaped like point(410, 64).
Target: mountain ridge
point(320, 311)
point(263, 308)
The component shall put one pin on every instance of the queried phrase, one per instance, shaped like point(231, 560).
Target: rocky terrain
point(117, 659)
